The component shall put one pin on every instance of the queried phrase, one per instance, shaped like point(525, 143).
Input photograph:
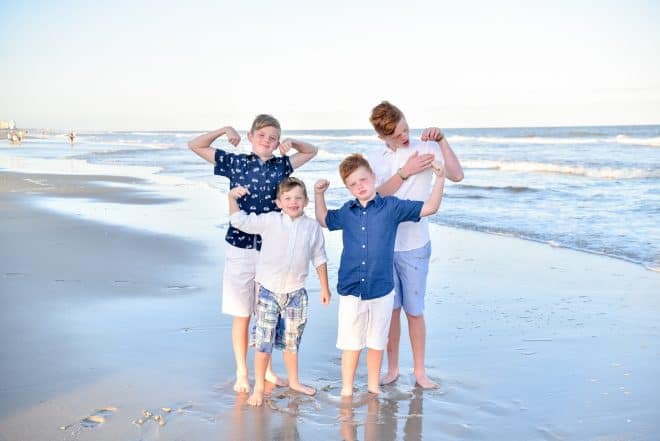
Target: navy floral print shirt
point(261, 178)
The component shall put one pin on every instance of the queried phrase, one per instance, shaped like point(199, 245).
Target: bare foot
point(389, 377)
point(375, 391)
point(307, 390)
point(242, 385)
point(276, 380)
point(425, 382)
point(347, 392)
point(257, 398)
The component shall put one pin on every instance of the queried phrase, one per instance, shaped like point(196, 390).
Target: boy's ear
point(277, 202)
point(249, 136)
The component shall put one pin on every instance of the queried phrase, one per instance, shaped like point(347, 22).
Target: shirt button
point(364, 246)
point(364, 263)
point(363, 280)
point(364, 212)
point(362, 228)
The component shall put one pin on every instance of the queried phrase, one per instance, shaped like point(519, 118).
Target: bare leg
point(291, 362)
point(417, 331)
point(239, 339)
point(272, 377)
point(261, 360)
point(348, 427)
point(374, 362)
point(349, 362)
point(393, 349)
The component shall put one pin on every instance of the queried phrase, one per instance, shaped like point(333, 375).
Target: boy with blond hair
point(291, 241)
point(259, 171)
point(402, 168)
point(366, 287)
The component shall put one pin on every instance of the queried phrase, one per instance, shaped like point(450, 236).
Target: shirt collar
point(253, 157)
point(288, 219)
point(377, 201)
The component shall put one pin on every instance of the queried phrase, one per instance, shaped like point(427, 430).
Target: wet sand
point(110, 332)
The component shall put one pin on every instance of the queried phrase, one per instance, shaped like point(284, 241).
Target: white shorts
point(238, 285)
point(364, 323)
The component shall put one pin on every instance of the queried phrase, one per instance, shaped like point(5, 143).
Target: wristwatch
point(401, 175)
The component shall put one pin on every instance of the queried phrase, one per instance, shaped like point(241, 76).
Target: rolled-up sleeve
point(249, 223)
point(319, 256)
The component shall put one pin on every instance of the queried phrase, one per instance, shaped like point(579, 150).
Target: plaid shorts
point(279, 320)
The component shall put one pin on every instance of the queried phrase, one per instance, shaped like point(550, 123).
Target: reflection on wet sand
point(381, 418)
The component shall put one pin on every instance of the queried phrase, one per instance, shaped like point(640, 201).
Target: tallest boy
point(403, 169)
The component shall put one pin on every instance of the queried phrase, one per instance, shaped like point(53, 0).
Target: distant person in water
point(72, 136)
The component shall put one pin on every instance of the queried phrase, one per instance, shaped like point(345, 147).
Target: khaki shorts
point(238, 285)
point(364, 323)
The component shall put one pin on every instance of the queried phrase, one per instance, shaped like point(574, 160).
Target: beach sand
point(109, 332)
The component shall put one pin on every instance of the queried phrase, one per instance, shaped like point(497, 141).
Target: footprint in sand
point(181, 287)
point(159, 416)
point(94, 420)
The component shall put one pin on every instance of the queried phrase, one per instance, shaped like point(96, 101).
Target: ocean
point(592, 189)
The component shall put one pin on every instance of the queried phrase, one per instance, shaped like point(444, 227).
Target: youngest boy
point(290, 240)
point(366, 282)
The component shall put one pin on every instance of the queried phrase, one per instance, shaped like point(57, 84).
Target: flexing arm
point(249, 223)
point(416, 163)
point(202, 144)
point(306, 151)
point(234, 195)
point(432, 204)
point(322, 271)
point(452, 165)
point(320, 207)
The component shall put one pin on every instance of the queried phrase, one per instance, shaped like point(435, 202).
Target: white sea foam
point(651, 142)
point(347, 138)
point(540, 167)
point(324, 154)
point(523, 140)
point(72, 167)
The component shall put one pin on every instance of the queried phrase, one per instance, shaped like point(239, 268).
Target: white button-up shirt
point(385, 163)
point(288, 246)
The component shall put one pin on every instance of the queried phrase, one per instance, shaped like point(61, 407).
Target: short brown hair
point(385, 117)
point(352, 163)
point(264, 120)
point(289, 183)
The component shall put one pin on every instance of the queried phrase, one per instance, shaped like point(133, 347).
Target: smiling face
point(264, 141)
point(400, 138)
point(292, 201)
point(362, 184)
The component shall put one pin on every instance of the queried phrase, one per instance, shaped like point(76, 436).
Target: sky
point(197, 65)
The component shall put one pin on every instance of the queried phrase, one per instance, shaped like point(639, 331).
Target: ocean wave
point(540, 167)
point(653, 265)
point(73, 167)
point(330, 156)
point(508, 188)
point(628, 140)
point(523, 140)
point(336, 137)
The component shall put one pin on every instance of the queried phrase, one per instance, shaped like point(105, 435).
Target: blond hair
point(264, 120)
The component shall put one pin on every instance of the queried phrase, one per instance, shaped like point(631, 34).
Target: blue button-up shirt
point(261, 178)
point(368, 233)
